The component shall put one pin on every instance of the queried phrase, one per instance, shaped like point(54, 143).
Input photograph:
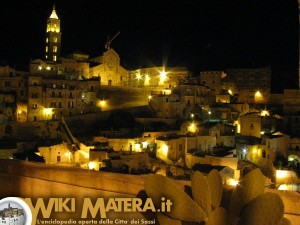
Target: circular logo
point(15, 211)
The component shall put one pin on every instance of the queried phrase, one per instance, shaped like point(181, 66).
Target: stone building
point(13, 92)
point(157, 77)
point(256, 124)
point(251, 85)
point(213, 79)
point(187, 100)
point(291, 111)
point(55, 98)
point(107, 67)
point(247, 85)
point(171, 148)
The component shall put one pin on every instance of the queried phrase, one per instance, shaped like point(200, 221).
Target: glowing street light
point(147, 78)
point(258, 94)
point(149, 97)
point(91, 165)
point(138, 76)
point(47, 111)
point(165, 150)
point(209, 113)
point(264, 113)
point(192, 127)
point(163, 76)
point(102, 103)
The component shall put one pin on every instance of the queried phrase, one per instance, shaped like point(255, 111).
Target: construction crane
point(108, 42)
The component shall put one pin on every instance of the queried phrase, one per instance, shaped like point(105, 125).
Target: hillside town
point(93, 113)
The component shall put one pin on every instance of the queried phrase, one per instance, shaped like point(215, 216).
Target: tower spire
point(53, 37)
point(53, 14)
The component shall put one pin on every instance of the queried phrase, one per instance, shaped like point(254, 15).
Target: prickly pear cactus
point(249, 204)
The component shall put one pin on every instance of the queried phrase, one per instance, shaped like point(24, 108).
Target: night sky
point(199, 34)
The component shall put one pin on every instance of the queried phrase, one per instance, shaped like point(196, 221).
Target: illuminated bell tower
point(53, 37)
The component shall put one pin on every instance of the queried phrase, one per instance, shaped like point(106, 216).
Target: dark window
point(7, 83)
point(251, 126)
point(264, 154)
point(180, 147)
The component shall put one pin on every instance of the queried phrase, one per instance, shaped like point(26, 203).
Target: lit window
point(47, 40)
point(54, 48)
point(54, 58)
point(46, 48)
point(55, 40)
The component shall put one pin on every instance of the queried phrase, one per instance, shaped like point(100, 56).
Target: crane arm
point(107, 45)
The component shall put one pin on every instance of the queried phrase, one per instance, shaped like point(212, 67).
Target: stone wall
point(30, 130)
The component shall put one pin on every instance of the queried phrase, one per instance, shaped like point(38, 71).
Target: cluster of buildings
point(224, 116)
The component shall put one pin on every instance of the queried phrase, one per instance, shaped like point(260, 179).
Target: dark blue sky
point(199, 34)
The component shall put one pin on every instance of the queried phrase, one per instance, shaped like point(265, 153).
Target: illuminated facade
point(251, 85)
point(75, 66)
point(171, 148)
point(157, 77)
point(43, 68)
point(54, 98)
point(107, 67)
point(255, 124)
point(184, 101)
point(247, 85)
point(53, 37)
point(13, 93)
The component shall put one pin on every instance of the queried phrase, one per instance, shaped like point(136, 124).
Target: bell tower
point(53, 37)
